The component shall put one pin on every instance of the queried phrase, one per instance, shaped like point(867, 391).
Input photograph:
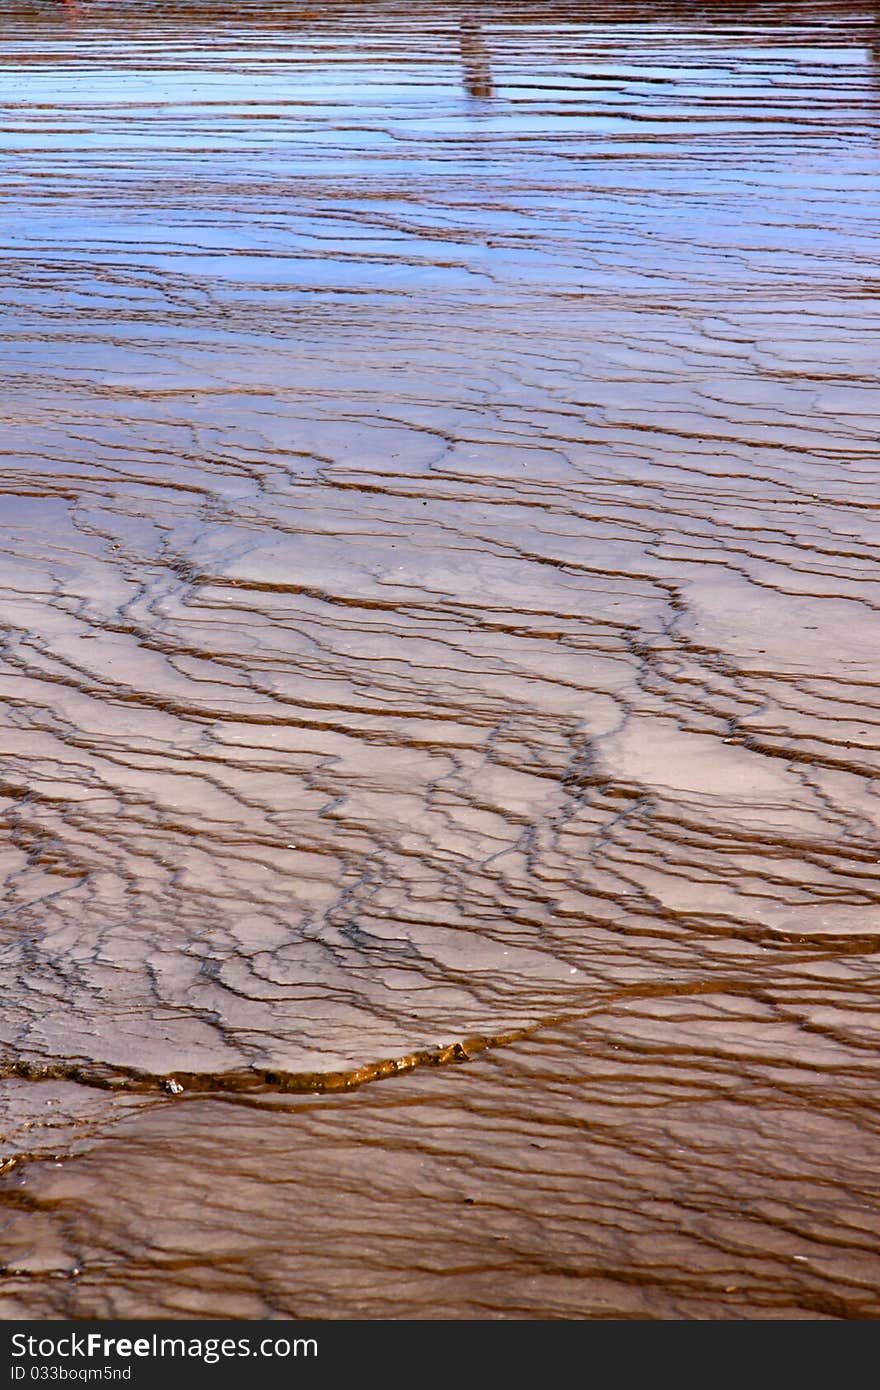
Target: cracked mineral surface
point(439, 624)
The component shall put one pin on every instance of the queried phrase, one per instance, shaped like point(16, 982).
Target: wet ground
point(439, 660)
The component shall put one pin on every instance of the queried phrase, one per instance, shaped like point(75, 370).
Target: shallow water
point(438, 585)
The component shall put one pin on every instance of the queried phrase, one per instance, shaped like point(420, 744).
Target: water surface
point(438, 587)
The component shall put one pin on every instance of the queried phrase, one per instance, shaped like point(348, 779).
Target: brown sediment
point(133, 1081)
point(438, 619)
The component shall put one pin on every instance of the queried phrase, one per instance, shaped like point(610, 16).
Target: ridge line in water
point(104, 1076)
point(132, 1080)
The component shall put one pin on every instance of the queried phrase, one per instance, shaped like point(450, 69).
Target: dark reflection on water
point(438, 592)
point(475, 62)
